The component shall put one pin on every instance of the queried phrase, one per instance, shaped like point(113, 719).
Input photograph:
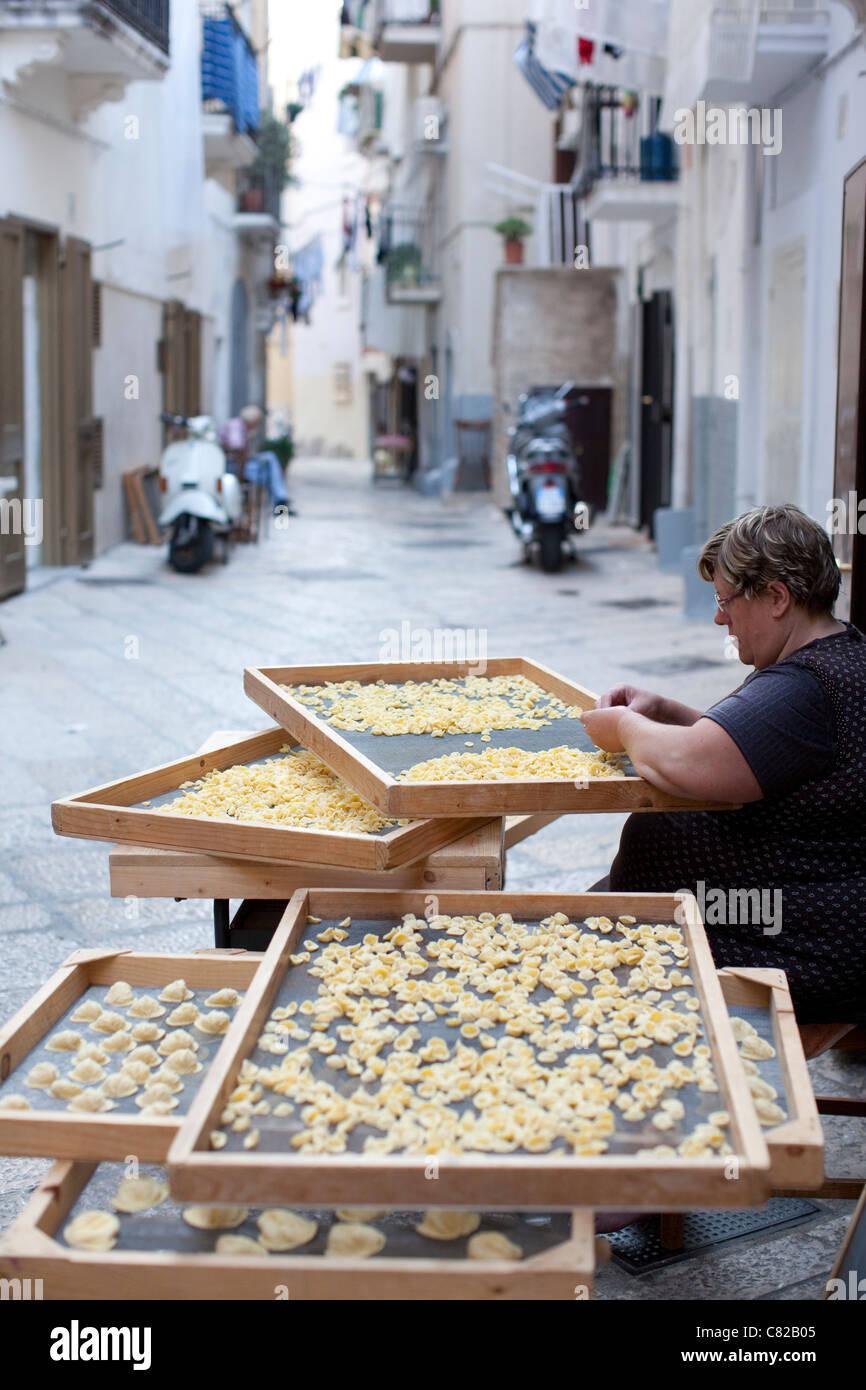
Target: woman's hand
point(652, 706)
point(632, 697)
point(602, 725)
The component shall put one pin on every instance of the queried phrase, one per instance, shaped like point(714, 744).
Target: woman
point(782, 880)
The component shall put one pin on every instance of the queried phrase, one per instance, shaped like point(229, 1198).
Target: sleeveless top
point(781, 882)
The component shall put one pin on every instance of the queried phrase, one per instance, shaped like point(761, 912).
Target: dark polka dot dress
point(800, 856)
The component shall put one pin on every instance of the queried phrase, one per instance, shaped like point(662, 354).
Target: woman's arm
point(699, 760)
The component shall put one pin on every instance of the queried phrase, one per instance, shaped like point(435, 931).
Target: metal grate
point(638, 1248)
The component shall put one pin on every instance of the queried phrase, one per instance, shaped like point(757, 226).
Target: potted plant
point(513, 231)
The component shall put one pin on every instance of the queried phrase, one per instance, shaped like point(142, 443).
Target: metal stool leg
point(221, 928)
point(672, 1229)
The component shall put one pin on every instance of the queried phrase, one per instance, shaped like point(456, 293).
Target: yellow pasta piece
point(285, 1230)
point(92, 1230)
point(176, 992)
point(139, 1194)
point(349, 1240)
point(439, 1224)
point(493, 1245)
point(214, 1218)
point(119, 994)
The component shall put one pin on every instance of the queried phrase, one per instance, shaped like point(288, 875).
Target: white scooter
point(203, 500)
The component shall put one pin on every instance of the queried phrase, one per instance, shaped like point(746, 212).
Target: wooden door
point(588, 418)
point(850, 466)
point(78, 429)
point(180, 359)
point(13, 568)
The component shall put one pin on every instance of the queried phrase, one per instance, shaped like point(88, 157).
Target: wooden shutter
point(77, 427)
point(13, 568)
point(173, 358)
point(192, 362)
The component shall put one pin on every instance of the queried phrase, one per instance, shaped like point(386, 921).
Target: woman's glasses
point(722, 603)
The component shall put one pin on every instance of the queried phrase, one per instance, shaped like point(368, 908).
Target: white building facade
point(134, 275)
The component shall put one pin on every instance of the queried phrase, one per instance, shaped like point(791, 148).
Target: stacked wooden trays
point(373, 763)
point(788, 1155)
point(116, 812)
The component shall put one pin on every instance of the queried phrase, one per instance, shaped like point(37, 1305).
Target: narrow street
point(116, 668)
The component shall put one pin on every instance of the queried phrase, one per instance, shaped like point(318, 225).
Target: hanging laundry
point(555, 28)
point(549, 86)
point(613, 50)
point(585, 50)
point(308, 266)
point(384, 239)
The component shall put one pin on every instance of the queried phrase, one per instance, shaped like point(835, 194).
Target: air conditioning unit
point(429, 124)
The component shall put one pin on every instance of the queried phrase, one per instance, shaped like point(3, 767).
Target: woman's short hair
point(780, 543)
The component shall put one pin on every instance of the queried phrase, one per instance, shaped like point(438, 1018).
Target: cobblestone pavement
point(119, 667)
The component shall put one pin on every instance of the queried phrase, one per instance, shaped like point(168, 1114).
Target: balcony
point(258, 203)
point(750, 52)
point(630, 170)
point(356, 29)
point(406, 248)
point(230, 90)
point(101, 45)
point(407, 31)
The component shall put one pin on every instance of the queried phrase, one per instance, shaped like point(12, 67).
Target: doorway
point(850, 465)
point(657, 405)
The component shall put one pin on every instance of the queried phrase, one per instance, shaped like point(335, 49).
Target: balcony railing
point(408, 12)
point(259, 192)
point(407, 247)
point(751, 51)
point(625, 142)
point(229, 70)
point(630, 168)
point(407, 31)
point(102, 44)
point(149, 17)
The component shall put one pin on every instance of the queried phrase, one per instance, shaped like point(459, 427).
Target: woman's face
point(753, 622)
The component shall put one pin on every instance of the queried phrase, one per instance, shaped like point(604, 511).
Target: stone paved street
point(125, 665)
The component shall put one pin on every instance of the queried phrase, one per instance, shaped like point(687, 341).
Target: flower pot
point(514, 253)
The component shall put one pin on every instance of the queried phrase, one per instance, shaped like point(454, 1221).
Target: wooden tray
point(354, 757)
point(797, 1146)
point(517, 1181)
point(31, 1251)
point(476, 861)
point(60, 1133)
point(114, 812)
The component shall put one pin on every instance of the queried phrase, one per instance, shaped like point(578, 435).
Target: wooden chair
point(817, 1038)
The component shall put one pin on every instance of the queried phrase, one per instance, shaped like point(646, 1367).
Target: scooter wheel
point(191, 545)
point(550, 547)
